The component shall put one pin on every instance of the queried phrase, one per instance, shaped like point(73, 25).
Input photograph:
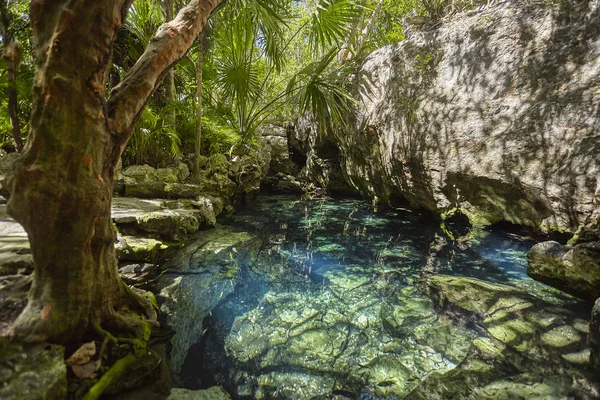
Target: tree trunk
point(61, 187)
point(169, 80)
point(11, 53)
point(198, 143)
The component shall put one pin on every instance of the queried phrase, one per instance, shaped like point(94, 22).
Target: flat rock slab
point(168, 219)
point(127, 209)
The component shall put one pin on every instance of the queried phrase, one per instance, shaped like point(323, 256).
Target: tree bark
point(198, 142)
point(61, 187)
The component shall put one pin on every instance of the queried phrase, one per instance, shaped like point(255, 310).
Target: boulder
point(33, 372)
point(493, 113)
point(575, 270)
point(170, 224)
point(140, 173)
point(167, 175)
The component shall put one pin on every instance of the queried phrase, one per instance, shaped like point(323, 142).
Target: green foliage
point(153, 142)
point(330, 22)
point(264, 61)
point(15, 26)
point(320, 91)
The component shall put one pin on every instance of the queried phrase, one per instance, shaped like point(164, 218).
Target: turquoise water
point(344, 301)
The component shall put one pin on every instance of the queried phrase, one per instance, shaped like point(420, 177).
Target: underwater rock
point(319, 341)
point(493, 113)
point(199, 276)
point(35, 372)
point(214, 393)
point(526, 333)
point(574, 270)
point(221, 246)
point(184, 306)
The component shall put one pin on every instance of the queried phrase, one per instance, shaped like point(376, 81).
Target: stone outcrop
point(233, 179)
point(494, 114)
point(574, 270)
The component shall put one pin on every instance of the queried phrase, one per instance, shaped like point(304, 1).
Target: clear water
point(344, 301)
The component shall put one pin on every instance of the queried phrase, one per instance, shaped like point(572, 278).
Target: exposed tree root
point(136, 330)
point(114, 373)
point(138, 347)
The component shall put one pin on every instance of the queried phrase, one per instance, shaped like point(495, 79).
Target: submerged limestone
point(361, 306)
point(525, 347)
point(323, 340)
point(308, 342)
point(197, 278)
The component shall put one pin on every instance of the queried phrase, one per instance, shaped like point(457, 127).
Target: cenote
point(343, 301)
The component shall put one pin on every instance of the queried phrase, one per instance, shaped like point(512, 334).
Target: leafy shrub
point(153, 142)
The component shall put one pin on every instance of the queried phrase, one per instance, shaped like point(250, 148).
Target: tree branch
point(171, 43)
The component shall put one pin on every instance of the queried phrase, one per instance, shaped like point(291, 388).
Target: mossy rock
point(35, 372)
point(574, 270)
point(132, 248)
point(214, 393)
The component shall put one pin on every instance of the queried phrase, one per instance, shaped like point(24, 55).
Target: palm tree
point(249, 58)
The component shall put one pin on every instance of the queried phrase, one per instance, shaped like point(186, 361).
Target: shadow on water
point(340, 292)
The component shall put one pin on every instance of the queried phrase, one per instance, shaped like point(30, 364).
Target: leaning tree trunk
point(61, 187)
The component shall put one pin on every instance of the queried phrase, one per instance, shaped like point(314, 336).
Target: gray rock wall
point(495, 114)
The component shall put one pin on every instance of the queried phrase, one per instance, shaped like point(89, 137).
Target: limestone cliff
point(495, 114)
